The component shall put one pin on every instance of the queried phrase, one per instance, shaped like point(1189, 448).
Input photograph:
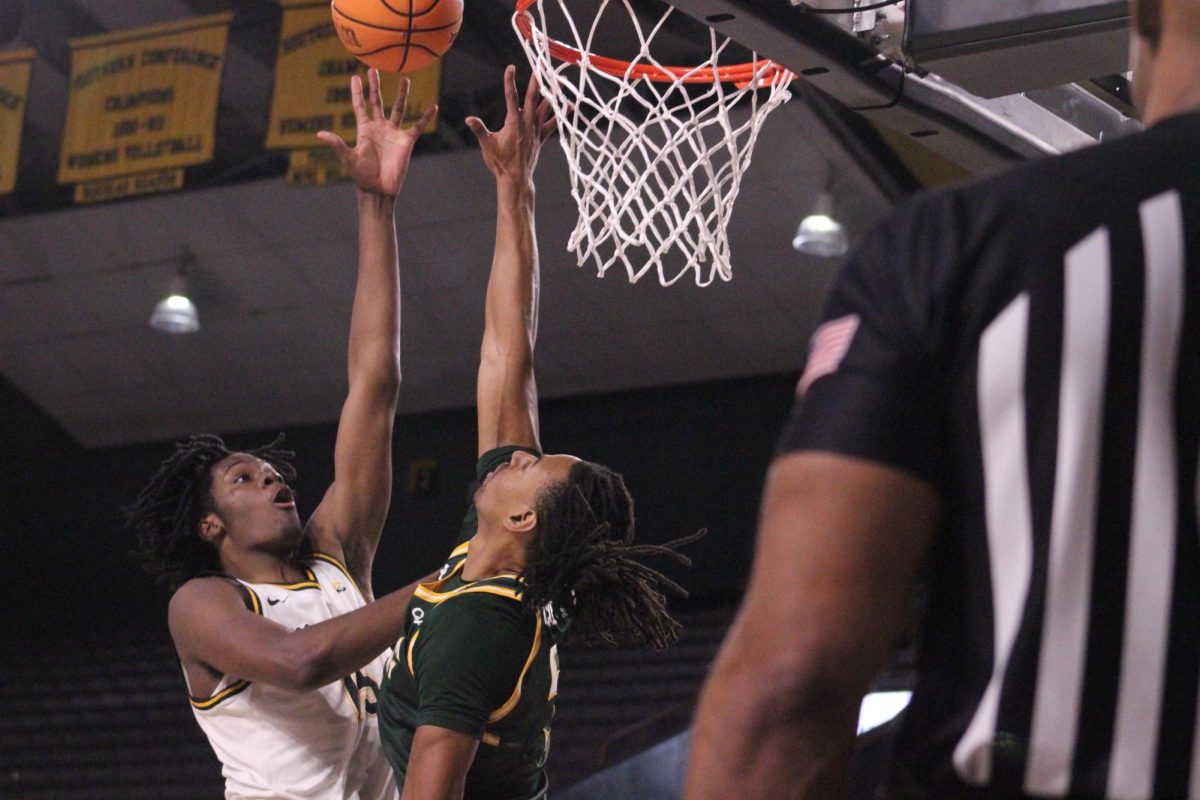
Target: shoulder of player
point(326, 541)
point(205, 588)
point(202, 601)
point(1045, 185)
point(207, 594)
point(475, 624)
point(945, 210)
point(479, 607)
point(924, 236)
point(332, 564)
point(1016, 186)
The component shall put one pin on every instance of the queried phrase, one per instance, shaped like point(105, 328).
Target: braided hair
point(582, 564)
point(165, 516)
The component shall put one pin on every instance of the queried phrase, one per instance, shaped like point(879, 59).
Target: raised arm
point(839, 544)
point(349, 519)
point(506, 391)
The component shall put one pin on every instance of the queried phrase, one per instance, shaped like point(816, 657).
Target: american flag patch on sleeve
point(829, 346)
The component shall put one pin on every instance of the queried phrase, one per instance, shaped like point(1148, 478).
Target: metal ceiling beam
point(978, 135)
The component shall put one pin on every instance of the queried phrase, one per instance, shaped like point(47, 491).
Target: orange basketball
point(397, 35)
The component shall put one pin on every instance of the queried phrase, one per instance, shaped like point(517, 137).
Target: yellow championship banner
point(142, 103)
point(315, 167)
point(15, 68)
point(312, 87)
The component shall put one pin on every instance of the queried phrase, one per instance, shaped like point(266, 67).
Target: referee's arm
point(839, 543)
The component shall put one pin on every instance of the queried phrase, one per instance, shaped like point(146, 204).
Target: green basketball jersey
point(473, 659)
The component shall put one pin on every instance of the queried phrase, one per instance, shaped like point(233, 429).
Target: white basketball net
point(653, 193)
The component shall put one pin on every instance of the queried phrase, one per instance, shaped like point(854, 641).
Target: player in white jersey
point(275, 624)
point(252, 726)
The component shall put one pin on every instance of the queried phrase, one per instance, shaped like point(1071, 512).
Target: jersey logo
point(556, 618)
point(274, 601)
point(338, 587)
point(364, 693)
point(418, 615)
point(445, 571)
point(829, 346)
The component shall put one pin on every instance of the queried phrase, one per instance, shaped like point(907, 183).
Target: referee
point(1006, 391)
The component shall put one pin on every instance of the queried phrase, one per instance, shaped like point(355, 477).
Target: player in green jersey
point(468, 694)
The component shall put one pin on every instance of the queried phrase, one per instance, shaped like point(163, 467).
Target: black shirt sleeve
point(869, 389)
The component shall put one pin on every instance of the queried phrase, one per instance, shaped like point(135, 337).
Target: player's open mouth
point(284, 499)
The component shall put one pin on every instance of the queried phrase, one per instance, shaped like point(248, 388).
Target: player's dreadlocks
point(165, 516)
point(582, 560)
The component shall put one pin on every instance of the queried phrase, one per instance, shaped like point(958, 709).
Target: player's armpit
point(840, 541)
point(438, 764)
point(357, 553)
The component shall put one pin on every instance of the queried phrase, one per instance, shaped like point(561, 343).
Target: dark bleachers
point(613, 704)
point(99, 719)
point(91, 720)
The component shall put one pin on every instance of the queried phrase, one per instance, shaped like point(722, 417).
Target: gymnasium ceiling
point(274, 269)
point(274, 265)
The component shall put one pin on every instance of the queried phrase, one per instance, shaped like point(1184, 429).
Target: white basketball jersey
point(275, 743)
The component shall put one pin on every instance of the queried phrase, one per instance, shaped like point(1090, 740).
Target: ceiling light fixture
point(820, 233)
point(176, 313)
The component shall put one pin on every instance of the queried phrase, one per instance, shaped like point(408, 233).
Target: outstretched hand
point(379, 159)
point(512, 151)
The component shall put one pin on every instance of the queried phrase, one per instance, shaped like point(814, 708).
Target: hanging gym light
point(821, 233)
point(176, 313)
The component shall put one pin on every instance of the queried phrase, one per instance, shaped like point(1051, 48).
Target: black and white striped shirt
point(1030, 344)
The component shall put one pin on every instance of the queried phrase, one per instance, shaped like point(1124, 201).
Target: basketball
point(397, 35)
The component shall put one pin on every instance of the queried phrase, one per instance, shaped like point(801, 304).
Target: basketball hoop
point(655, 158)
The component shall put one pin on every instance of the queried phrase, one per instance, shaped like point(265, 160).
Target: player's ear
point(210, 526)
point(523, 521)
